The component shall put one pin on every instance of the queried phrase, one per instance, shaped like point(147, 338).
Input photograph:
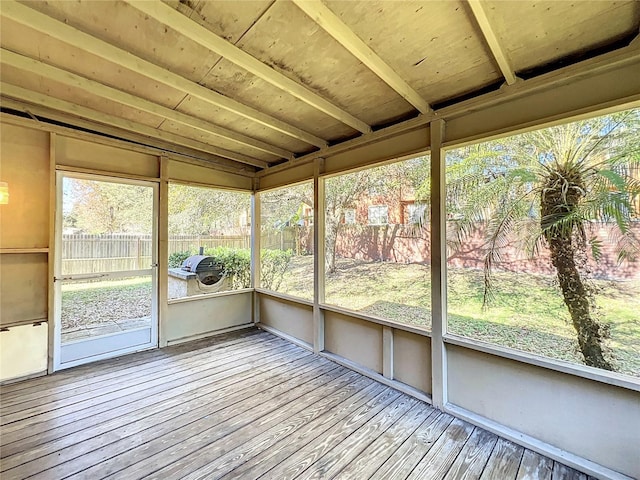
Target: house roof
point(253, 84)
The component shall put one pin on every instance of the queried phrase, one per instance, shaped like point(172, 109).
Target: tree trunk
point(576, 298)
point(561, 195)
point(331, 237)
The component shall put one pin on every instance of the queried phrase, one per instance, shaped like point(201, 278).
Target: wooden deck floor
point(243, 405)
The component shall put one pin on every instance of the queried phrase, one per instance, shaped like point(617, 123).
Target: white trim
point(104, 356)
point(90, 171)
point(152, 272)
point(284, 296)
point(189, 338)
point(583, 371)
point(555, 453)
point(205, 296)
point(372, 374)
point(376, 320)
point(286, 336)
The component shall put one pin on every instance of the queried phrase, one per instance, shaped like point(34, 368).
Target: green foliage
point(236, 264)
point(98, 207)
point(274, 264)
point(199, 210)
point(176, 259)
point(546, 189)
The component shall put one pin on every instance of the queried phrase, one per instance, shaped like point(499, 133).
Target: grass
point(527, 311)
point(95, 303)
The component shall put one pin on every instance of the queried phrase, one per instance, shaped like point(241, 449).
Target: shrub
point(274, 264)
point(176, 259)
point(235, 263)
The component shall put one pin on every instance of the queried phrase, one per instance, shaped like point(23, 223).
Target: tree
point(544, 189)
point(199, 210)
point(99, 207)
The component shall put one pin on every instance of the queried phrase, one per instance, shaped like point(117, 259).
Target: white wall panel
point(198, 316)
point(586, 418)
point(354, 339)
point(412, 360)
point(294, 319)
point(23, 351)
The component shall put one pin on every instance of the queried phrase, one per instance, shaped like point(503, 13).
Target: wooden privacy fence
point(112, 253)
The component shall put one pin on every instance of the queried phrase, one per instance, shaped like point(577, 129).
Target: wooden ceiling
point(251, 84)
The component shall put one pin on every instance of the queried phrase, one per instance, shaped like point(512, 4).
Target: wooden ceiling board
point(311, 57)
point(229, 19)
point(206, 111)
point(235, 82)
point(40, 84)
point(434, 45)
point(126, 27)
point(75, 60)
point(534, 33)
point(189, 132)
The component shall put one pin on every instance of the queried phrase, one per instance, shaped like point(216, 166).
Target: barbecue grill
point(207, 270)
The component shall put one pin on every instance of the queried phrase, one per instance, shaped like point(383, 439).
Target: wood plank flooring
point(242, 405)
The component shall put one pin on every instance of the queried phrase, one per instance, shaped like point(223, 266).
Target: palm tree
point(545, 189)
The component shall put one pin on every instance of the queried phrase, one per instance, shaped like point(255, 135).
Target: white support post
point(163, 253)
point(438, 267)
point(318, 255)
point(53, 205)
point(255, 249)
point(387, 352)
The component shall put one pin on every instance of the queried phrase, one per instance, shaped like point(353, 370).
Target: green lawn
point(527, 311)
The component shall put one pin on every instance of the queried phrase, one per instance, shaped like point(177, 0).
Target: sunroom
point(320, 239)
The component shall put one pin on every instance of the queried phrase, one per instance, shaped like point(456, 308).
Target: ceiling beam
point(626, 57)
point(37, 67)
point(335, 27)
point(40, 22)
point(167, 15)
point(14, 91)
point(116, 138)
point(492, 40)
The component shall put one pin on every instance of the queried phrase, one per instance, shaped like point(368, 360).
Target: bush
point(235, 264)
point(176, 259)
point(274, 264)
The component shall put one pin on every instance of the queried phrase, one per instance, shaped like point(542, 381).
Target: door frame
point(57, 283)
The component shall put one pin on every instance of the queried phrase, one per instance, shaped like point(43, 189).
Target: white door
point(106, 287)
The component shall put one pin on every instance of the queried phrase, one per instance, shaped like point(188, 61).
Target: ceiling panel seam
point(240, 37)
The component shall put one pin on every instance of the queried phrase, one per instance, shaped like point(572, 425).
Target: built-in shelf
point(24, 250)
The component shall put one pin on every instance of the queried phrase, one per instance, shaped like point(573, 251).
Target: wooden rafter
point(335, 27)
point(492, 41)
point(116, 137)
point(199, 34)
point(14, 91)
point(67, 78)
point(65, 33)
